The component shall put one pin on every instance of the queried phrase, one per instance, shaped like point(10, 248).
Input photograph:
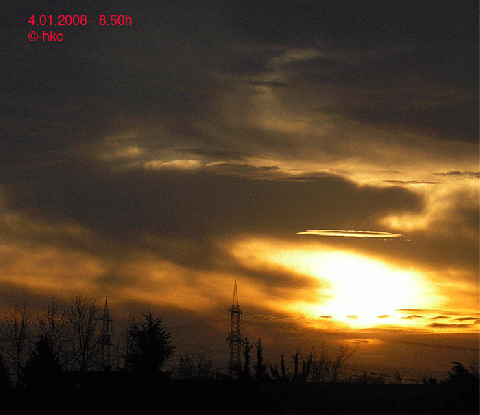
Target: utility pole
point(106, 339)
point(234, 339)
point(398, 378)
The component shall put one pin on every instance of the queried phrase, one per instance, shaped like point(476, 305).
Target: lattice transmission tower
point(234, 339)
point(106, 339)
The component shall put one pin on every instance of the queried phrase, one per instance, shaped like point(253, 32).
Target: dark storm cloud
point(57, 97)
point(402, 63)
point(199, 204)
point(412, 64)
point(395, 87)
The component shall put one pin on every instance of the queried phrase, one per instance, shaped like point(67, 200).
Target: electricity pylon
point(234, 339)
point(106, 339)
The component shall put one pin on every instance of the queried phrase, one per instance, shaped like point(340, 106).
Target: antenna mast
point(106, 339)
point(234, 339)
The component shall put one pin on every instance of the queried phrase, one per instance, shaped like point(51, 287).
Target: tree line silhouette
point(70, 339)
point(35, 352)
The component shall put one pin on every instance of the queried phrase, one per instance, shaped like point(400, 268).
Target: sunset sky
point(323, 154)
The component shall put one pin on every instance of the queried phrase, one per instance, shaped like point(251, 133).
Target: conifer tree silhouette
point(246, 355)
point(260, 366)
point(42, 367)
point(148, 344)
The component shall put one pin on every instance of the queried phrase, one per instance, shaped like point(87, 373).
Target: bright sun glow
point(357, 289)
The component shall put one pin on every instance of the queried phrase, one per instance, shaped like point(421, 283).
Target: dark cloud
point(247, 170)
point(435, 345)
point(475, 320)
point(394, 87)
point(374, 66)
point(350, 24)
point(116, 279)
point(459, 174)
point(277, 281)
point(450, 326)
point(246, 66)
point(274, 84)
point(199, 204)
point(446, 122)
point(215, 154)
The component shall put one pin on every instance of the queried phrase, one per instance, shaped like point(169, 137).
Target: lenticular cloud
point(350, 234)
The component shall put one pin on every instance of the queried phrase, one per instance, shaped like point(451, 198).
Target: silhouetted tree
point(282, 374)
point(283, 371)
point(371, 379)
point(306, 367)
point(310, 368)
point(81, 316)
point(42, 367)
point(342, 356)
point(17, 334)
point(148, 344)
point(186, 367)
point(274, 373)
point(4, 377)
point(464, 389)
point(260, 366)
point(461, 376)
point(53, 328)
point(320, 370)
point(246, 355)
point(296, 360)
point(190, 367)
point(298, 375)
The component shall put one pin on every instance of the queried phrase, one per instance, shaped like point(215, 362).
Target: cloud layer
point(141, 161)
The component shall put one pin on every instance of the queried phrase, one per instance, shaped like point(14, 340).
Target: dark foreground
point(90, 393)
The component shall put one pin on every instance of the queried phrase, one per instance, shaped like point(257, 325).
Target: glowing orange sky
point(334, 175)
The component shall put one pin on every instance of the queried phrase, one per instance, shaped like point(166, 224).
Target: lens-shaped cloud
point(350, 233)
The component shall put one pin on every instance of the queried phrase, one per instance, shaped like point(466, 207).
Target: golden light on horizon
point(353, 289)
point(361, 288)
